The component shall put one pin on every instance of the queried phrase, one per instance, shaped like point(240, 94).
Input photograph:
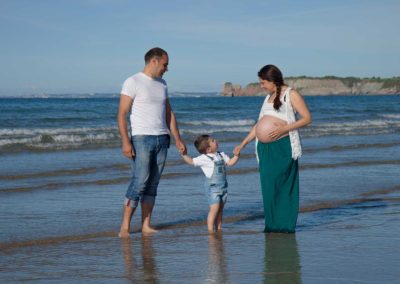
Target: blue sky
point(91, 46)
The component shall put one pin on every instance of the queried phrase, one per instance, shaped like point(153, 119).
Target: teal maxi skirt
point(279, 175)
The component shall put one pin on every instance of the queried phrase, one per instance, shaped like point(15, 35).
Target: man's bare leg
point(126, 221)
point(147, 209)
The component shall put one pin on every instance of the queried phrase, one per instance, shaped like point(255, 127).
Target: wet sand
point(353, 243)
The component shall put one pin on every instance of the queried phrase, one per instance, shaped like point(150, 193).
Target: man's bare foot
point(148, 230)
point(124, 234)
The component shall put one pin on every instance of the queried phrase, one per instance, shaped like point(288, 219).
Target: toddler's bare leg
point(218, 221)
point(212, 216)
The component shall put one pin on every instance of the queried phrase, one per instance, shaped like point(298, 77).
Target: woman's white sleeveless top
point(286, 113)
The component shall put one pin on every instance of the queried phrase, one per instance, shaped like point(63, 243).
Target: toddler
point(213, 163)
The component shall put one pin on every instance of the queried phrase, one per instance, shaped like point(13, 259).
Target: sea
point(63, 179)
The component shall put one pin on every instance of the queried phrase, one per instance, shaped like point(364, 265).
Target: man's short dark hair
point(154, 52)
point(201, 143)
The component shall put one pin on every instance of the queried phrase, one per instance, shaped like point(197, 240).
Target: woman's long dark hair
point(272, 74)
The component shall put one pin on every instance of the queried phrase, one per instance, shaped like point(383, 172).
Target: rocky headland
point(322, 86)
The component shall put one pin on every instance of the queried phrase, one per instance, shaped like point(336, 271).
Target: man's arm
point(125, 104)
point(173, 127)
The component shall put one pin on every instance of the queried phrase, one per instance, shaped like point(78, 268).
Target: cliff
point(330, 85)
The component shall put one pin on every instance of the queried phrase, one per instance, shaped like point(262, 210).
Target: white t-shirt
point(206, 164)
point(148, 113)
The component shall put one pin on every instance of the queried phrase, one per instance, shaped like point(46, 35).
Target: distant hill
point(320, 86)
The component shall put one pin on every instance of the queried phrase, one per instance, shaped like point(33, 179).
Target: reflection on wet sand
point(136, 271)
point(217, 271)
point(282, 260)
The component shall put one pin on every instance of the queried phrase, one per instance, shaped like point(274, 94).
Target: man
point(145, 96)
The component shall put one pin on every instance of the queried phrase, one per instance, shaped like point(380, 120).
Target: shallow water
point(62, 186)
point(350, 244)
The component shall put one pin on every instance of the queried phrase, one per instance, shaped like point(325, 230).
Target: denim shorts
point(147, 167)
point(215, 194)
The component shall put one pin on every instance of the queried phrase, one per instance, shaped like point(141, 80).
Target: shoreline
point(263, 94)
point(387, 196)
point(305, 94)
point(349, 246)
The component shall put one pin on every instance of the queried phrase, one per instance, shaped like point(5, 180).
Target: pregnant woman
point(278, 148)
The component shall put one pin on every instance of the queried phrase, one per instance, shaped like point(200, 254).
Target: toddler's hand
point(183, 151)
point(237, 150)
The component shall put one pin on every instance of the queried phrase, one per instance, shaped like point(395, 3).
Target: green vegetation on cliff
point(393, 82)
point(327, 85)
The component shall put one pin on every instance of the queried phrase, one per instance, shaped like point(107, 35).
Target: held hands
point(181, 147)
point(237, 150)
point(183, 153)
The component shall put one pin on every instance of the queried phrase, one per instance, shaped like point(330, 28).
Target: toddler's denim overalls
point(216, 186)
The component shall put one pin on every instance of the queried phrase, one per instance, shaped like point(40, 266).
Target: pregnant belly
point(266, 125)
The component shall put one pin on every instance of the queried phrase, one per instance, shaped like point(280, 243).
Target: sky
point(92, 46)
